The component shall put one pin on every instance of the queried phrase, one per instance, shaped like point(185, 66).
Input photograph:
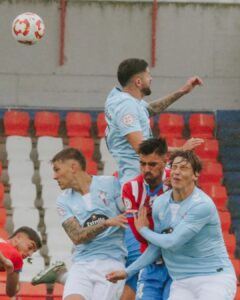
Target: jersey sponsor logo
point(127, 203)
point(95, 219)
point(128, 120)
point(61, 211)
point(103, 196)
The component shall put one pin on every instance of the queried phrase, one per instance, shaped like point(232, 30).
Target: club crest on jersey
point(95, 219)
point(127, 203)
point(103, 196)
point(128, 120)
point(61, 211)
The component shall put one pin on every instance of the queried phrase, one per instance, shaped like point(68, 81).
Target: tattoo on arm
point(79, 234)
point(159, 105)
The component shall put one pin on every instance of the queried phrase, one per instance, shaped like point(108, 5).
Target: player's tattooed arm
point(79, 234)
point(159, 105)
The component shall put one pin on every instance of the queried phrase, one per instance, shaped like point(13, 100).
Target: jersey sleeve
point(126, 117)
point(131, 203)
point(63, 210)
point(197, 217)
point(117, 195)
point(149, 256)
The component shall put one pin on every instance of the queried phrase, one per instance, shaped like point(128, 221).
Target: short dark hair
point(130, 67)
point(71, 153)
point(190, 157)
point(31, 233)
point(153, 145)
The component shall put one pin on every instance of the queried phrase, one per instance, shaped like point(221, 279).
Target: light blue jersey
point(125, 114)
point(103, 202)
point(195, 247)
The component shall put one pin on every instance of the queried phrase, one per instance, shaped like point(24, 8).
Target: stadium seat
point(212, 172)
point(225, 218)
point(209, 150)
point(1, 194)
point(23, 194)
point(84, 144)
point(171, 125)
point(29, 292)
point(101, 124)
point(175, 142)
point(78, 124)
point(46, 123)
point(3, 234)
point(57, 291)
point(110, 165)
point(48, 146)
point(3, 288)
point(202, 125)
point(230, 243)
point(50, 192)
point(16, 123)
point(236, 265)
point(18, 147)
point(92, 167)
point(45, 172)
point(218, 193)
point(22, 216)
point(20, 171)
point(3, 217)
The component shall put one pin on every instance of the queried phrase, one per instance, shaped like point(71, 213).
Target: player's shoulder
point(106, 180)
point(200, 197)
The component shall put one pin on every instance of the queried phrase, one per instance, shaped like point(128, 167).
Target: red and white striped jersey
point(135, 194)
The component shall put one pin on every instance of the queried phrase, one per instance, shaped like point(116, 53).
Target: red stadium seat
point(1, 194)
point(236, 265)
point(230, 243)
point(92, 167)
point(218, 193)
point(28, 291)
point(16, 123)
point(208, 150)
point(3, 216)
point(78, 124)
point(212, 173)
point(3, 234)
point(225, 218)
point(57, 291)
point(202, 125)
point(3, 287)
point(84, 144)
point(101, 124)
point(171, 125)
point(46, 123)
point(175, 142)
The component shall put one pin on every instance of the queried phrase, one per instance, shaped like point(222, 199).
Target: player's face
point(182, 175)
point(24, 245)
point(152, 168)
point(63, 173)
point(146, 80)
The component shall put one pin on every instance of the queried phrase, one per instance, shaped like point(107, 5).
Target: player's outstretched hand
point(116, 275)
point(192, 143)
point(120, 220)
point(141, 220)
point(190, 84)
point(6, 263)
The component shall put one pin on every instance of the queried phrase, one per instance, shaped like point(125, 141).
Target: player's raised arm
point(159, 105)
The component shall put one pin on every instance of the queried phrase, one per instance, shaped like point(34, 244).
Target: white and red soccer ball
point(28, 28)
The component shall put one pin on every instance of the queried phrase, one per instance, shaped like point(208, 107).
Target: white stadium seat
point(48, 146)
point(18, 147)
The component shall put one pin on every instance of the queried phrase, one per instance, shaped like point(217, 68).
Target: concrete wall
point(192, 38)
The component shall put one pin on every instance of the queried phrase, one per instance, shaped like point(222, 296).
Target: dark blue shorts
point(153, 283)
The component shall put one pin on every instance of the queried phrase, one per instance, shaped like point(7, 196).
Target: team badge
point(128, 120)
point(61, 211)
point(127, 203)
point(103, 196)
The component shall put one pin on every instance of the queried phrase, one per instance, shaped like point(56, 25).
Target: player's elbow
point(171, 244)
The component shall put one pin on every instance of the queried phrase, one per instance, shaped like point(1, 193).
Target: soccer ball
point(28, 28)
